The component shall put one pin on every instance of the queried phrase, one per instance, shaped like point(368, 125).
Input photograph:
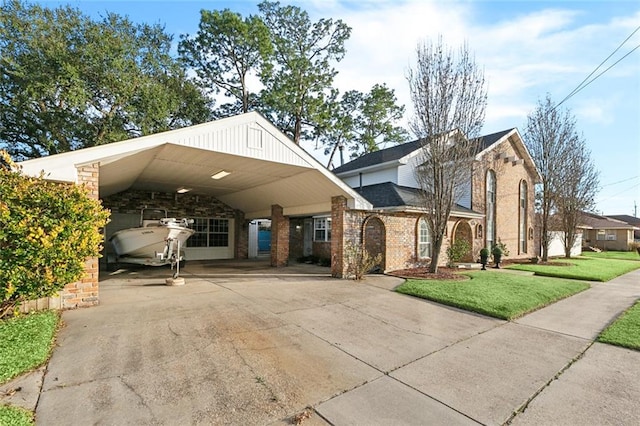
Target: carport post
point(279, 237)
point(84, 293)
point(338, 208)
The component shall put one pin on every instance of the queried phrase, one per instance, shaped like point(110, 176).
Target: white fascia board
point(400, 209)
point(372, 168)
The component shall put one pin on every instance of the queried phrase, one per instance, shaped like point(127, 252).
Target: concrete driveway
point(230, 347)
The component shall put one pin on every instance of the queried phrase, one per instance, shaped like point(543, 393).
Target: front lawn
point(625, 331)
point(497, 294)
point(25, 342)
point(15, 416)
point(620, 255)
point(581, 268)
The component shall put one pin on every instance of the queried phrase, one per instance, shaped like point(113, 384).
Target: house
point(226, 175)
point(606, 233)
point(240, 174)
point(498, 205)
point(631, 220)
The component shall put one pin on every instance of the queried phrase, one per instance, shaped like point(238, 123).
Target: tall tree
point(569, 179)
point(68, 82)
point(225, 52)
point(297, 90)
point(449, 98)
point(362, 122)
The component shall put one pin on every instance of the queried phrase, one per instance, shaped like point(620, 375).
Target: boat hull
point(149, 242)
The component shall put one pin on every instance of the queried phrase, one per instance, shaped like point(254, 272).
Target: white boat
point(158, 241)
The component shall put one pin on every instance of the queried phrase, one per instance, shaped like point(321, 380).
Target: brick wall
point(279, 237)
point(84, 293)
point(506, 161)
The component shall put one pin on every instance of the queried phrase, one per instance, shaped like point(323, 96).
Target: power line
point(582, 84)
point(621, 181)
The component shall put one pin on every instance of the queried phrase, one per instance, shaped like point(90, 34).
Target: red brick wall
point(279, 237)
point(85, 292)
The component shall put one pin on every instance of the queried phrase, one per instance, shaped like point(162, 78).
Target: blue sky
point(527, 49)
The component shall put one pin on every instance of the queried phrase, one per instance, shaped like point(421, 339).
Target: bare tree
point(449, 98)
point(569, 180)
point(577, 192)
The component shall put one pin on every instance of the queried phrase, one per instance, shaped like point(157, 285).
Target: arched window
point(478, 231)
point(490, 211)
point(424, 239)
point(522, 226)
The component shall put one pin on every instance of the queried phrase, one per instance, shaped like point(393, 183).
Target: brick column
point(338, 208)
point(241, 236)
point(84, 293)
point(279, 237)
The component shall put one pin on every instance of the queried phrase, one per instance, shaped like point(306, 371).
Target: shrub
point(47, 231)
point(359, 261)
point(456, 251)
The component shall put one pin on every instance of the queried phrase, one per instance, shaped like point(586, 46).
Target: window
point(522, 234)
point(601, 235)
point(322, 229)
point(424, 239)
point(210, 232)
point(611, 236)
point(478, 231)
point(490, 210)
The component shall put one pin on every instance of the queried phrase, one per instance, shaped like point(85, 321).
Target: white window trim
point(325, 228)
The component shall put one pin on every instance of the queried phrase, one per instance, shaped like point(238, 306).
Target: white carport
point(265, 167)
point(267, 174)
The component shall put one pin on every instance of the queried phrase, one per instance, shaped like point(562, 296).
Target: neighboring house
point(631, 220)
point(498, 205)
point(606, 233)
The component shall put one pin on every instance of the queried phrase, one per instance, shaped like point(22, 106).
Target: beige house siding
point(608, 239)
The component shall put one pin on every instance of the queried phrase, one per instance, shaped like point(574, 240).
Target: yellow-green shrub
point(47, 230)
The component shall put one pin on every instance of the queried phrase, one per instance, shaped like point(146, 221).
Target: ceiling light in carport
point(220, 174)
point(183, 190)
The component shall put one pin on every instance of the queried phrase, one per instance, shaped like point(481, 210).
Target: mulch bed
point(424, 274)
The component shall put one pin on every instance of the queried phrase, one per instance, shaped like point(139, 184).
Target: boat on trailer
point(157, 241)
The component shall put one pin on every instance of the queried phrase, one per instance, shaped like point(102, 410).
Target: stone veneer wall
point(182, 205)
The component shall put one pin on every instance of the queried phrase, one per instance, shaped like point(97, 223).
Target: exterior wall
point(296, 237)
point(183, 205)
point(623, 238)
point(84, 293)
point(400, 251)
point(510, 170)
point(373, 177)
point(556, 245)
point(406, 176)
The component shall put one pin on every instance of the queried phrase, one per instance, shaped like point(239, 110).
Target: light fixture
point(220, 174)
point(183, 190)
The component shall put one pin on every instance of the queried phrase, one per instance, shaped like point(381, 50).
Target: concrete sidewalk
point(262, 349)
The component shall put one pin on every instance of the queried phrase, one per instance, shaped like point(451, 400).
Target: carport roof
point(265, 167)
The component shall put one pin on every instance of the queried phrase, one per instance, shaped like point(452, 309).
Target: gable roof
point(381, 156)
point(265, 166)
point(388, 195)
point(398, 152)
point(594, 221)
point(631, 220)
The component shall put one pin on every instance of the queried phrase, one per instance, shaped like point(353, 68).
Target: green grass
point(582, 268)
point(620, 255)
point(625, 331)
point(25, 342)
point(497, 294)
point(15, 416)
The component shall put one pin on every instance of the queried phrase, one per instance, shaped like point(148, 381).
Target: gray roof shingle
point(389, 194)
point(397, 152)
